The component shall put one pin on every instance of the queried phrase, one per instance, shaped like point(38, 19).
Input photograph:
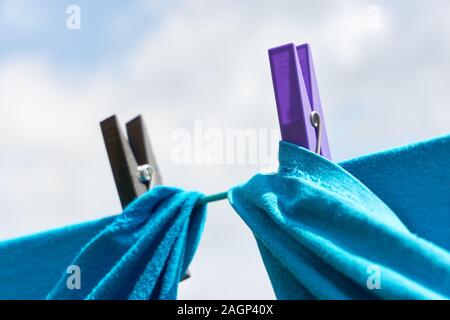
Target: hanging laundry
point(141, 254)
point(376, 227)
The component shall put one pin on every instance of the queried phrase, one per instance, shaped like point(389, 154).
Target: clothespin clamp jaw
point(132, 162)
point(297, 97)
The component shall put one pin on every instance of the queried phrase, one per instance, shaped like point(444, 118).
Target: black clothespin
point(133, 162)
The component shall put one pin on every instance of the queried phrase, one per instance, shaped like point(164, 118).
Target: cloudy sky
point(383, 73)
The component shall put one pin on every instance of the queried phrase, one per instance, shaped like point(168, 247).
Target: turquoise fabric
point(324, 231)
point(140, 254)
point(376, 227)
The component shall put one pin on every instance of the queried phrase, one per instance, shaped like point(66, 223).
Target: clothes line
point(324, 231)
point(212, 198)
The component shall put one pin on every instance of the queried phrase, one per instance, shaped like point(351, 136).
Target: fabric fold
point(144, 253)
point(324, 234)
point(140, 254)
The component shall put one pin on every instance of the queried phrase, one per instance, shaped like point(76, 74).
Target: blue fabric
point(376, 227)
point(140, 254)
point(322, 229)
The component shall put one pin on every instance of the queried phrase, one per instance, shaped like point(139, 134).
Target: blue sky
point(197, 60)
point(109, 29)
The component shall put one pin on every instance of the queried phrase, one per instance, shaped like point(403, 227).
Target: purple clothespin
point(297, 97)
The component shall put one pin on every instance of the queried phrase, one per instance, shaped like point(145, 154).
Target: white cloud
point(208, 61)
